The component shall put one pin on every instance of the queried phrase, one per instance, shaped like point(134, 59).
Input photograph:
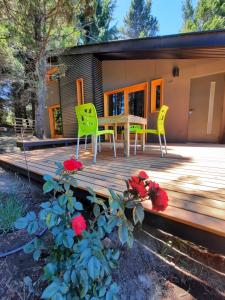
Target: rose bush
point(141, 187)
point(78, 263)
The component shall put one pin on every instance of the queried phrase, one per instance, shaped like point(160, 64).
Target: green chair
point(159, 131)
point(88, 125)
point(133, 128)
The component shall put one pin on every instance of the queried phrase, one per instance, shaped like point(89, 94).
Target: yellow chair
point(88, 125)
point(159, 131)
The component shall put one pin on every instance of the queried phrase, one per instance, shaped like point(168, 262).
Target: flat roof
point(205, 44)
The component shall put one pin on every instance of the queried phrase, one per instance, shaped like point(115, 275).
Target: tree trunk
point(41, 96)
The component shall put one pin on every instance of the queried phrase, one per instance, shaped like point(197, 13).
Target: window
point(51, 75)
point(80, 91)
point(156, 94)
point(128, 100)
point(55, 120)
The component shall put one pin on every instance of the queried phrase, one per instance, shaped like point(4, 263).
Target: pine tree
point(139, 22)
point(208, 15)
point(188, 15)
point(96, 20)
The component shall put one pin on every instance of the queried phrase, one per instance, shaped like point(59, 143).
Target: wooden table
point(126, 121)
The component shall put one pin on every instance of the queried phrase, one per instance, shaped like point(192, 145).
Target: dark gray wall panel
point(80, 66)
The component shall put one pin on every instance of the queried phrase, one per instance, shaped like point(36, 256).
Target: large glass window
point(128, 100)
point(156, 94)
point(116, 104)
point(136, 103)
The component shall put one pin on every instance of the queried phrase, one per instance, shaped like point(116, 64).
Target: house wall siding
point(118, 74)
point(79, 66)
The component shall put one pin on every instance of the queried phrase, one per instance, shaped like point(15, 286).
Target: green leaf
point(58, 210)
point(58, 296)
point(45, 204)
point(116, 255)
point(21, 223)
point(78, 205)
point(96, 210)
point(102, 291)
point(47, 177)
point(63, 199)
point(94, 267)
point(28, 248)
point(32, 227)
point(139, 213)
point(101, 221)
point(50, 270)
point(31, 216)
point(73, 277)
point(36, 254)
point(48, 186)
point(68, 241)
point(123, 233)
point(50, 290)
point(66, 186)
point(84, 283)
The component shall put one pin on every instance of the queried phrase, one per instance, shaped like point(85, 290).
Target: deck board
point(193, 176)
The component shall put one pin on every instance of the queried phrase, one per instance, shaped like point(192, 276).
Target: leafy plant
point(10, 210)
point(79, 263)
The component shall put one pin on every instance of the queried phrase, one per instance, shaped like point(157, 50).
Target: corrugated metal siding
point(98, 86)
point(80, 66)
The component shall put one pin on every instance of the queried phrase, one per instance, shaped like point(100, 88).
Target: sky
point(168, 12)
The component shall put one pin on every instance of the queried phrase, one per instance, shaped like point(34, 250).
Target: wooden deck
point(193, 175)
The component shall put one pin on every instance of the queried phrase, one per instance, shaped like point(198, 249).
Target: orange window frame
point(126, 90)
point(154, 84)
point(49, 73)
point(51, 120)
point(80, 91)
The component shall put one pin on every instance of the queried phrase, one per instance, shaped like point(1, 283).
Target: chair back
point(135, 127)
point(87, 119)
point(161, 119)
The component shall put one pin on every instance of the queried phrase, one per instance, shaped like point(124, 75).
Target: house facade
point(185, 72)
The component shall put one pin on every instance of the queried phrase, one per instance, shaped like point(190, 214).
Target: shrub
point(10, 210)
point(80, 263)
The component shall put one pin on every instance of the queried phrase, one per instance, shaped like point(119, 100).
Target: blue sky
point(168, 12)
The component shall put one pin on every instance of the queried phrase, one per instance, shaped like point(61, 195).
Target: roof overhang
point(208, 44)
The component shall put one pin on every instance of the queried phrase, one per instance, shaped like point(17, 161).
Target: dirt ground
point(143, 273)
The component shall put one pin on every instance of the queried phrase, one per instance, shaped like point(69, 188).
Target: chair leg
point(114, 145)
point(85, 147)
point(95, 148)
point(77, 149)
point(160, 143)
point(99, 144)
point(164, 137)
point(135, 143)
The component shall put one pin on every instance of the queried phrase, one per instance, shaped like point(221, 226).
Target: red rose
point(143, 175)
point(72, 165)
point(160, 200)
point(79, 224)
point(153, 185)
point(138, 186)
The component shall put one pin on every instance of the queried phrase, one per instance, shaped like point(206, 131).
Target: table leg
point(127, 139)
point(143, 138)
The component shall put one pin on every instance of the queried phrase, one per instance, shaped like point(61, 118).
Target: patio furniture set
point(88, 125)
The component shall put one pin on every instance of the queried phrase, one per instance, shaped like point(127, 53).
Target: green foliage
point(139, 22)
point(208, 15)
point(95, 22)
point(10, 210)
point(79, 266)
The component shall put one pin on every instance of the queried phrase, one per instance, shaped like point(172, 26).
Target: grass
point(10, 210)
